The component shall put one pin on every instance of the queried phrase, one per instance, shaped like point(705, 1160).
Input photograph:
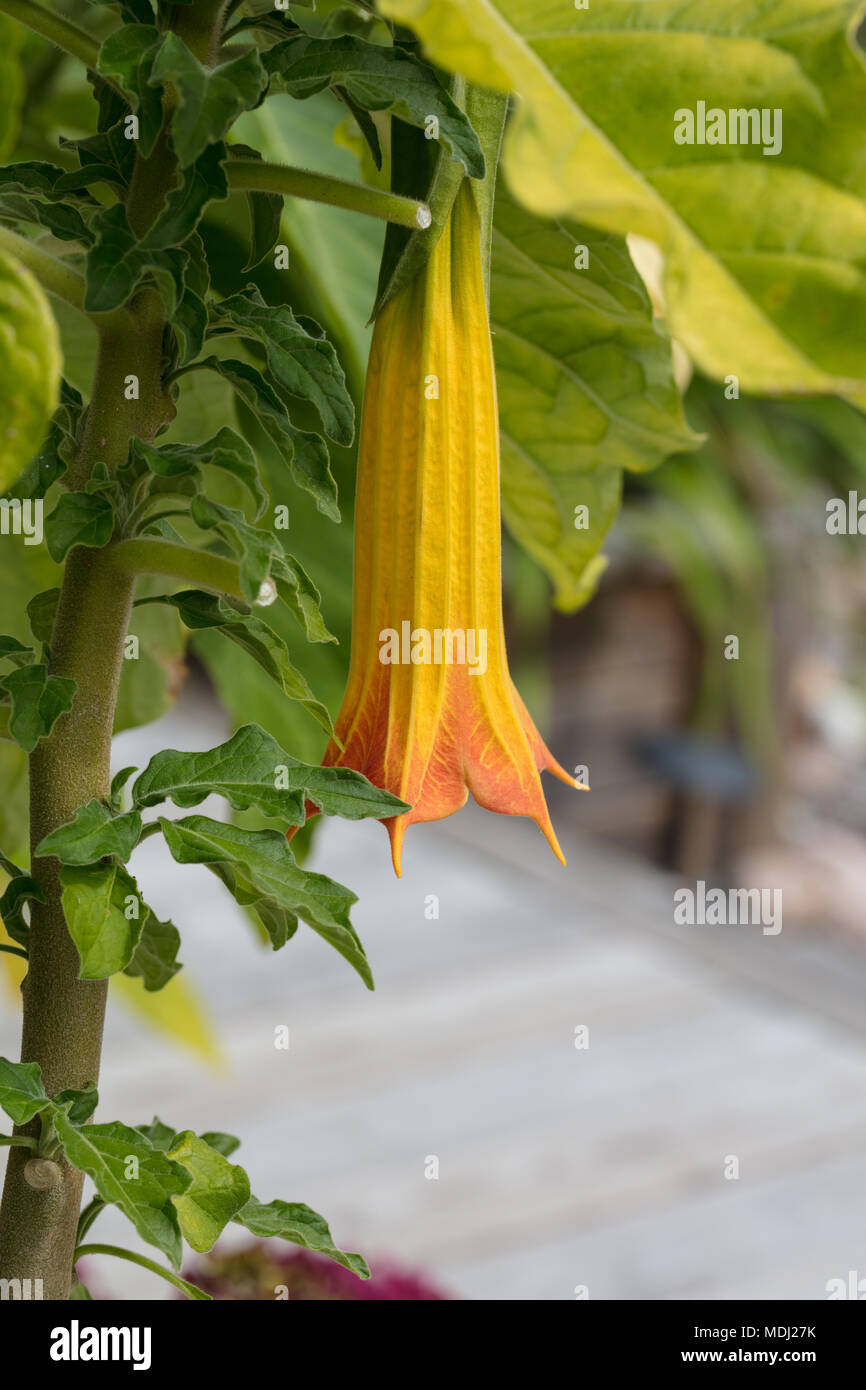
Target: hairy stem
point(257, 176)
point(61, 31)
point(63, 1015)
point(200, 568)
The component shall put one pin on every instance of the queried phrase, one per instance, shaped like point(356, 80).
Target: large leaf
point(585, 387)
point(764, 253)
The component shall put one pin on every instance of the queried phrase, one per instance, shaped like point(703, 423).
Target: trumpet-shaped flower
point(430, 712)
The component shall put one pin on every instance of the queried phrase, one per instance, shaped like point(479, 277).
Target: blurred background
point(556, 1091)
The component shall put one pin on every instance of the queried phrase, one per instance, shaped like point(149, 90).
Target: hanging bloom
point(430, 712)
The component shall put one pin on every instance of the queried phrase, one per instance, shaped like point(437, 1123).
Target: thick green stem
point(257, 176)
point(63, 1015)
point(51, 273)
point(200, 568)
point(61, 31)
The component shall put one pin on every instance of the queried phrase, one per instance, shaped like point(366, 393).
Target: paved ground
point(602, 1166)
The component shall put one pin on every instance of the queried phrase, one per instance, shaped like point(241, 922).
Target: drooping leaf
point(251, 769)
point(199, 610)
point(301, 364)
point(155, 957)
point(218, 1190)
point(255, 546)
point(295, 1222)
point(41, 612)
point(264, 866)
point(37, 701)
point(18, 891)
point(226, 450)
point(202, 183)
point(266, 212)
point(92, 834)
point(131, 1174)
point(208, 99)
point(96, 900)
point(378, 79)
point(16, 652)
point(305, 453)
point(78, 518)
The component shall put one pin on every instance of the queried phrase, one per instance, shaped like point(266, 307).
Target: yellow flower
point(430, 712)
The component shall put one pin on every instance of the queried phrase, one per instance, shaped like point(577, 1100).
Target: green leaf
point(78, 1105)
point(377, 79)
point(37, 701)
point(585, 387)
point(300, 595)
point(217, 1192)
point(92, 834)
point(110, 1154)
point(16, 652)
point(95, 902)
point(226, 450)
point(79, 518)
point(159, 1135)
point(41, 612)
point(29, 368)
point(255, 546)
point(155, 957)
point(20, 889)
point(301, 364)
point(305, 453)
point(202, 183)
point(264, 866)
point(209, 99)
point(763, 254)
point(225, 1144)
point(299, 1224)
point(199, 609)
point(251, 769)
point(119, 260)
point(22, 1094)
point(61, 219)
point(266, 213)
point(127, 55)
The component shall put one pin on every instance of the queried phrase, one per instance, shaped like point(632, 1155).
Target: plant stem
point(63, 1015)
point(52, 274)
point(200, 568)
point(257, 176)
point(22, 1141)
point(61, 31)
point(189, 1289)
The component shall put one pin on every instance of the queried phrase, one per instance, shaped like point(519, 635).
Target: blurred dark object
point(708, 778)
point(265, 1272)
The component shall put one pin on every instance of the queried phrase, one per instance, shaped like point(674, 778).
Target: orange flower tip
point(396, 830)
